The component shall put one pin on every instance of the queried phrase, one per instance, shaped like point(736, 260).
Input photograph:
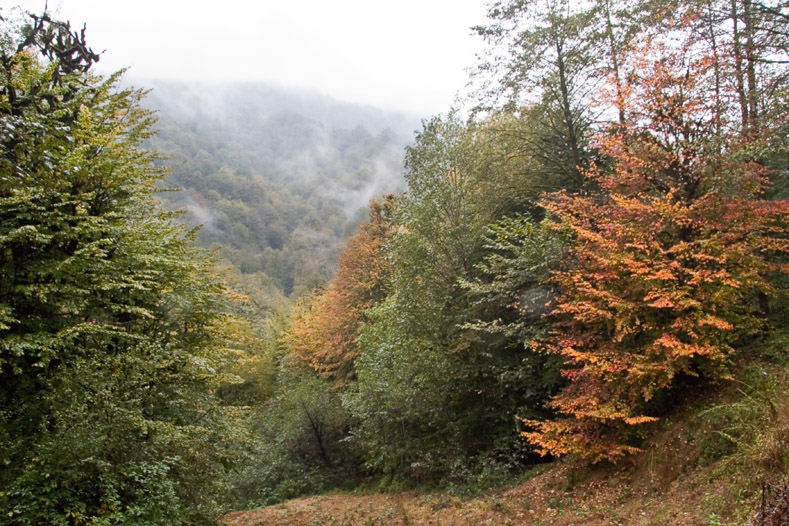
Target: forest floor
point(714, 463)
point(618, 497)
point(653, 490)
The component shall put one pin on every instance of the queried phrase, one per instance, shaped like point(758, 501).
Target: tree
point(108, 315)
point(746, 41)
point(299, 444)
point(324, 333)
point(543, 66)
point(436, 398)
point(670, 259)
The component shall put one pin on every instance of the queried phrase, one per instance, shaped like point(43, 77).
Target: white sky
point(397, 54)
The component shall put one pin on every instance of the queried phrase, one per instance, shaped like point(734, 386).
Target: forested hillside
point(277, 179)
point(581, 290)
point(603, 240)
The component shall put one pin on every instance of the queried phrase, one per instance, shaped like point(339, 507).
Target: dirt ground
point(562, 496)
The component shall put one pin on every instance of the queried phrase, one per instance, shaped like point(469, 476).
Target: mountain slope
point(277, 179)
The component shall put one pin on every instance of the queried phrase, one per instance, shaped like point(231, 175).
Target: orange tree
point(323, 333)
point(672, 255)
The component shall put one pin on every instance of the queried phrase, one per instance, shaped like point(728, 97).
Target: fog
point(409, 55)
point(262, 165)
point(234, 104)
point(280, 121)
point(354, 151)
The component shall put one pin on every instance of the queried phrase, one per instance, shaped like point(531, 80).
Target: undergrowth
point(742, 439)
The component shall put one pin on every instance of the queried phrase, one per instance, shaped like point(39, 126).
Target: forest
point(591, 248)
point(275, 179)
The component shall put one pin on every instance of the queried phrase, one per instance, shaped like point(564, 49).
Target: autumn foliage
point(673, 249)
point(323, 331)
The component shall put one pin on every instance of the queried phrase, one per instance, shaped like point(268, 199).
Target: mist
point(275, 178)
point(407, 55)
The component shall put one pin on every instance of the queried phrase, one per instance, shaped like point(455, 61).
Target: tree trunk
point(572, 134)
point(738, 67)
point(620, 99)
point(750, 58)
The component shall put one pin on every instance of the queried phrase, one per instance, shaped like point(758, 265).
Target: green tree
point(433, 393)
point(109, 316)
point(543, 65)
point(297, 441)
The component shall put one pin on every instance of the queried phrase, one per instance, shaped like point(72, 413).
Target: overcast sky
point(397, 54)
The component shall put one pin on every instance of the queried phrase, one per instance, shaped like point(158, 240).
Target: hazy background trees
point(277, 179)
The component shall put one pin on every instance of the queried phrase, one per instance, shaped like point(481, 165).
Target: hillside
point(564, 275)
point(277, 178)
point(570, 306)
point(720, 460)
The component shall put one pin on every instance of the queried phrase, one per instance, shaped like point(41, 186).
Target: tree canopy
point(109, 317)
